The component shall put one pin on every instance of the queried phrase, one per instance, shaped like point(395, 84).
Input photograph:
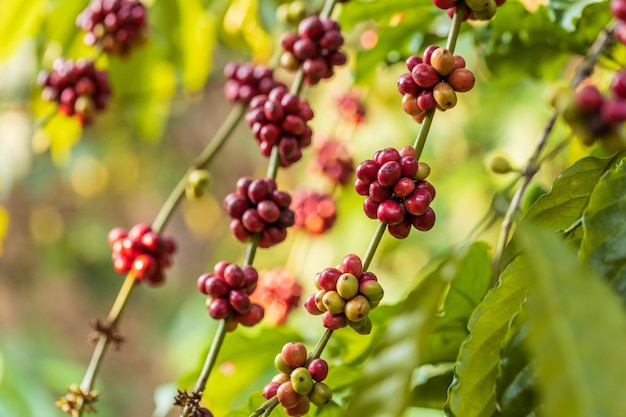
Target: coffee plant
point(333, 248)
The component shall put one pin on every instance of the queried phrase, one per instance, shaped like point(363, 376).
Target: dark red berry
point(418, 202)
point(390, 212)
point(318, 368)
point(220, 308)
point(424, 222)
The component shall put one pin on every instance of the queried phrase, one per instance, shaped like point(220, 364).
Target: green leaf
point(197, 40)
point(577, 332)
point(604, 228)
point(567, 12)
point(568, 199)
point(467, 289)
point(432, 392)
point(472, 393)
point(383, 390)
point(515, 387)
point(19, 20)
point(144, 84)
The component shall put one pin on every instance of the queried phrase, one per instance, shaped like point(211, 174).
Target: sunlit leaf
point(604, 228)
point(197, 39)
point(432, 392)
point(577, 332)
point(467, 289)
point(472, 394)
point(18, 21)
point(383, 389)
point(566, 202)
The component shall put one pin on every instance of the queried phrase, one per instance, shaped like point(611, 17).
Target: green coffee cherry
point(333, 302)
point(357, 308)
point(373, 291)
point(281, 365)
point(319, 300)
point(281, 377)
point(500, 165)
point(363, 326)
point(423, 171)
point(321, 394)
point(347, 286)
point(487, 12)
point(197, 182)
point(302, 381)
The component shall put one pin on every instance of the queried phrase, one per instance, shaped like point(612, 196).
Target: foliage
point(464, 329)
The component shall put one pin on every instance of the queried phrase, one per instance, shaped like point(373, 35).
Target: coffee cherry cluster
point(280, 118)
point(244, 81)
point(228, 289)
point(315, 47)
point(116, 25)
point(351, 108)
point(474, 9)
point(257, 207)
point(142, 251)
point(593, 116)
point(334, 160)
point(618, 9)
point(315, 212)
point(78, 88)
point(345, 296)
point(433, 81)
point(299, 382)
point(278, 293)
point(396, 191)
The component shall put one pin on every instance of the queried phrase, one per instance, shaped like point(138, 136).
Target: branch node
point(107, 330)
point(190, 402)
point(77, 400)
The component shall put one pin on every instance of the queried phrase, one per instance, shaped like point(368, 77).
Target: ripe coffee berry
point(351, 108)
point(245, 81)
point(116, 25)
point(433, 81)
point(278, 292)
point(280, 119)
point(228, 289)
point(315, 47)
point(393, 182)
point(77, 87)
point(142, 252)
point(333, 159)
point(314, 212)
point(258, 207)
point(474, 10)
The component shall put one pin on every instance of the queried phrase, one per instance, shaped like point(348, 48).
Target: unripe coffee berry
point(372, 290)
point(311, 306)
point(301, 380)
point(333, 302)
point(300, 409)
point(363, 326)
point(445, 96)
point(357, 308)
point(280, 364)
point(287, 396)
point(294, 354)
point(319, 300)
point(442, 61)
point(197, 182)
point(461, 79)
point(321, 394)
point(347, 286)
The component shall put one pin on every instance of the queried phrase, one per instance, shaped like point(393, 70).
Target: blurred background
point(63, 187)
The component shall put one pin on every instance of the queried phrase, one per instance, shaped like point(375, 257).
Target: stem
point(420, 140)
point(104, 338)
point(209, 362)
point(266, 408)
point(201, 161)
point(455, 28)
point(321, 345)
point(371, 249)
point(605, 37)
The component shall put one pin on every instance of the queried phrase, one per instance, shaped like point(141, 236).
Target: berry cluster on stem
point(433, 81)
point(142, 251)
point(115, 25)
point(315, 212)
point(257, 207)
point(315, 49)
point(474, 10)
point(279, 119)
point(396, 191)
point(78, 88)
point(246, 81)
